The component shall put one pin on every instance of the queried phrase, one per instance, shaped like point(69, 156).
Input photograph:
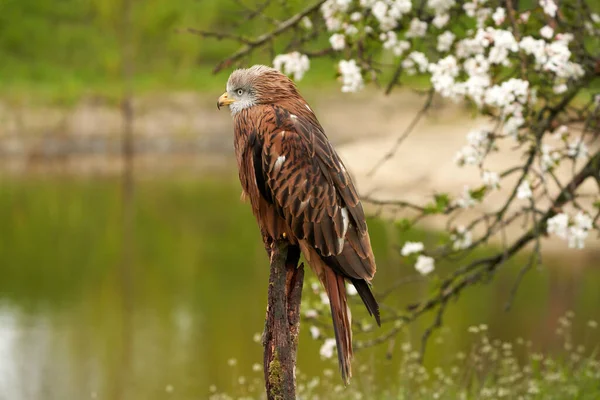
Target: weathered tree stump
point(282, 323)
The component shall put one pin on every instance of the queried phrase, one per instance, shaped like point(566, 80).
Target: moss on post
point(275, 378)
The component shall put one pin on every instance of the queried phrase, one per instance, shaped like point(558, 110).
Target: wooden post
point(282, 323)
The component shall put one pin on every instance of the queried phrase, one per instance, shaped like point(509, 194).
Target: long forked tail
point(342, 323)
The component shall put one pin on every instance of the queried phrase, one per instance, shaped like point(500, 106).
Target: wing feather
point(314, 193)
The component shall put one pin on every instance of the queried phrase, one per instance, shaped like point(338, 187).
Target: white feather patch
point(345, 221)
point(279, 162)
point(308, 108)
point(293, 116)
point(304, 204)
point(340, 245)
point(282, 133)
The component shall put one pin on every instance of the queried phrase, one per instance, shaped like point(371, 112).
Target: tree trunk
point(282, 324)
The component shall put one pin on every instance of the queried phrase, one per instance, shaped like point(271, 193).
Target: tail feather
point(364, 291)
point(340, 313)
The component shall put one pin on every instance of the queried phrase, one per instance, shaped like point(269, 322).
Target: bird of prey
point(300, 190)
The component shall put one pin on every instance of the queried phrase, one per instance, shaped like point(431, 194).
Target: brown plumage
point(299, 189)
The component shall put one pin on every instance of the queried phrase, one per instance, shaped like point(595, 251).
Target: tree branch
point(262, 39)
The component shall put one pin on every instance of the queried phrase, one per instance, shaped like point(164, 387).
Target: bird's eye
point(239, 92)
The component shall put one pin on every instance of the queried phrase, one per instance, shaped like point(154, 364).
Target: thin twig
point(405, 134)
point(262, 39)
point(215, 35)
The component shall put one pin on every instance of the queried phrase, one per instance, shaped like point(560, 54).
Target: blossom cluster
point(574, 230)
point(424, 264)
point(294, 64)
point(505, 63)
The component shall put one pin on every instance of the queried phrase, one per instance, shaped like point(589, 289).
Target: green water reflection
point(78, 322)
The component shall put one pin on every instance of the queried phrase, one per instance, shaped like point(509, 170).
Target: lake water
point(90, 310)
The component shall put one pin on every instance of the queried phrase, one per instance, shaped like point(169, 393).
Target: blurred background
point(129, 268)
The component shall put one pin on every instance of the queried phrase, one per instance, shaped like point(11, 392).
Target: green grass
point(490, 369)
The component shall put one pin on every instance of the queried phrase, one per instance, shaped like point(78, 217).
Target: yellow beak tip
point(224, 100)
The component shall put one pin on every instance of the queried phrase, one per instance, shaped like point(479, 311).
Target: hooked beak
point(224, 101)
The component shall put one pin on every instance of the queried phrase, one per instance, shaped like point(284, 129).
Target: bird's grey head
point(255, 85)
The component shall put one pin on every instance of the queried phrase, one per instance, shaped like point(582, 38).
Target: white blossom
point(417, 28)
point(352, 80)
point(294, 63)
point(445, 40)
point(379, 10)
point(466, 200)
point(473, 153)
point(462, 238)
point(560, 88)
point(504, 42)
point(337, 41)
point(549, 7)
point(558, 225)
point(387, 19)
point(561, 132)
point(391, 42)
point(425, 265)
point(547, 32)
point(512, 124)
point(507, 93)
point(315, 332)
point(549, 157)
point(553, 57)
point(400, 7)
point(579, 230)
point(355, 16)
point(577, 149)
point(576, 239)
point(481, 16)
point(412, 247)
point(499, 15)
point(477, 65)
point(440, 6)
point(415, 59)
point(443, 74)
point(583, 221)
point(535, 47)
point(327, 347)
point(332, 11)
point(350, 30)
point(440, 20)
point(490, 179)
point(470, 8)
point(324, 298)
point(524, 190)
point(307, 23)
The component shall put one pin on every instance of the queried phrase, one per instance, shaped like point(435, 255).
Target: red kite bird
point(300, 190)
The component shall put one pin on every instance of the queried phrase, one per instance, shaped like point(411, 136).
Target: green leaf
point(442, 201)
point(403, 224)
point(478, 194)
